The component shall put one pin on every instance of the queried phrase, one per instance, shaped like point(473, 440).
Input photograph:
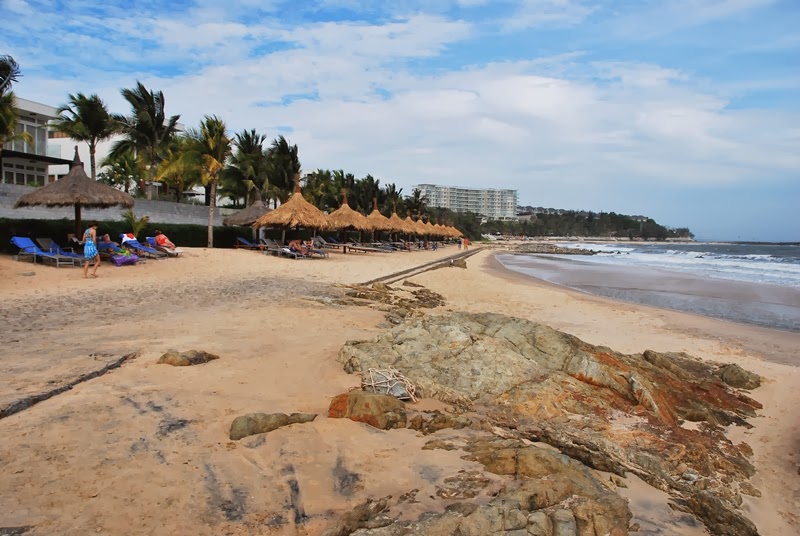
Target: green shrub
point(180, 234)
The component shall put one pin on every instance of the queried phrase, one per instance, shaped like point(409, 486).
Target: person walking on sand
point(90, 250)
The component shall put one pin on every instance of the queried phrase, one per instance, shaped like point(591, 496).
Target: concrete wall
point(159, 211)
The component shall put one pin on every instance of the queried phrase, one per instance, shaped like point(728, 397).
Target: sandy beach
point(144, 449)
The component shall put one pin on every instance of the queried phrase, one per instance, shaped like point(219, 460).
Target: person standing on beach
point(90, 250)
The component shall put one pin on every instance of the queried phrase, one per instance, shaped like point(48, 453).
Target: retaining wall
point(159, 211)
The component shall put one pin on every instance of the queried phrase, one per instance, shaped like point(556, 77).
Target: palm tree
point(284, 164)
point(147, 130)
point(175, 169)
point(86, 119)
point(210, 150)
point(247, 174)
point(416, 201)
point(121, 170)
point(9, 73)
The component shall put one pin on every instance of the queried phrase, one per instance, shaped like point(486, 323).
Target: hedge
point(187, 235)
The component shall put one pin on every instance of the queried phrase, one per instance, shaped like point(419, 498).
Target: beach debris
point(736, 376)
point(379, 411)
point(185, 359)
point(613, 412)
point(387, 382)
point(408, 283)
point(261, 423)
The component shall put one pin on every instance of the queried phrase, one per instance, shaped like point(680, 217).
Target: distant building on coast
point(490, 203)
point(27, 163)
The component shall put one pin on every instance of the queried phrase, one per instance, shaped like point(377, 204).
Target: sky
point(687, 111)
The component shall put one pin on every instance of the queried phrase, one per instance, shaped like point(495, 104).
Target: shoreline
point(773, 344)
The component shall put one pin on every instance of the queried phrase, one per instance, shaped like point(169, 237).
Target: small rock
point(260, 423)
point(185, 359)
point(380, 411)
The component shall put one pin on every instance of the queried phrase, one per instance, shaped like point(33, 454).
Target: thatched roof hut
point(247, 216)
point(379, 221)
point(345, 217)
point(78, 189)
point(296, 212)
point(418, 225)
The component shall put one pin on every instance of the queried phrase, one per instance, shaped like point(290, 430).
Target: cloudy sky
point(687, 111)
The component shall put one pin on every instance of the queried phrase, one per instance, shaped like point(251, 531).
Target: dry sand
point(144, 449)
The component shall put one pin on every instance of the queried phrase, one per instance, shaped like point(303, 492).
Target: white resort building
point(490, 203)
point(25, 163)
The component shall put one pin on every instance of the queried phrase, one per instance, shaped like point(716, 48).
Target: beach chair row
point(49, 251)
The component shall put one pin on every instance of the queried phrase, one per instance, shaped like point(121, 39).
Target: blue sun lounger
point(142, 249)
point(27, 248)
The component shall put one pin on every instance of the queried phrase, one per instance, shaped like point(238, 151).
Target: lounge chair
point(322, 243)
point(49, 245)
point(142, 249)
point(151, 242)
point(27, 247)
point(273, 248)
point(243, 243)
point(357, 246)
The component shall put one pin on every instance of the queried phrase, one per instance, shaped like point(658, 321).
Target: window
point(8, 177)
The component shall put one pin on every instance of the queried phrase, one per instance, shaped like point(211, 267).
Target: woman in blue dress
point(90, 250)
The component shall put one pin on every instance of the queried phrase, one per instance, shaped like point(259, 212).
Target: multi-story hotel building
point(490, 203)
point(26, 163)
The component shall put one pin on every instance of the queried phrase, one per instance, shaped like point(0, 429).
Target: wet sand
point(771, 306)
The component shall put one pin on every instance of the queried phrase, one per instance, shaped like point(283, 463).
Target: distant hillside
point(540, 221)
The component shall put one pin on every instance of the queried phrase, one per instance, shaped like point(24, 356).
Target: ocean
point(750, 283)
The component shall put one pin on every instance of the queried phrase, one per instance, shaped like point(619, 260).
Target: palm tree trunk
point(152, 171)
point(212, 203)
point(92, 151)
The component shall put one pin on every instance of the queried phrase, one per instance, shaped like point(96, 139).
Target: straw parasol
point(431, 230)
point(441, 230)
point(379, 221)
point(247, 216)
point(420, 227)
point(411, 225)
point(77, 189)
point(400, 225)
point(295, 212)
point(345, 217)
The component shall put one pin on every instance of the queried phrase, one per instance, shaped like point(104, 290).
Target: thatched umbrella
point(76, 188)
point(379, 221)
point(440, 229)
point(411, 225)
point(420, 226)
point(344, 217)
point(247, 216)
point(401, 226)
point(295, 212)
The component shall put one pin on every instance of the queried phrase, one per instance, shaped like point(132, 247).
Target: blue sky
point(684, 110)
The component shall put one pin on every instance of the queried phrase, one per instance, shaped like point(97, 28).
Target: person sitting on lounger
point(296, 246)
point(165, 244)
point(106, 239)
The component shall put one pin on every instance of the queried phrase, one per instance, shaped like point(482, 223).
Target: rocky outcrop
point(548, 494)
point(611, 411)
point(736, 376)
point(379, 411)
point(186, 359)
point(260, 423)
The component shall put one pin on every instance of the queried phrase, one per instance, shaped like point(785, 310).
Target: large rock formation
point(613, 412)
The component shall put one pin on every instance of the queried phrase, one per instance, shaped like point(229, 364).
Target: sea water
point(751, 283)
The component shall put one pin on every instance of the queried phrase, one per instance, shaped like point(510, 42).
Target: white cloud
point(538, 13)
